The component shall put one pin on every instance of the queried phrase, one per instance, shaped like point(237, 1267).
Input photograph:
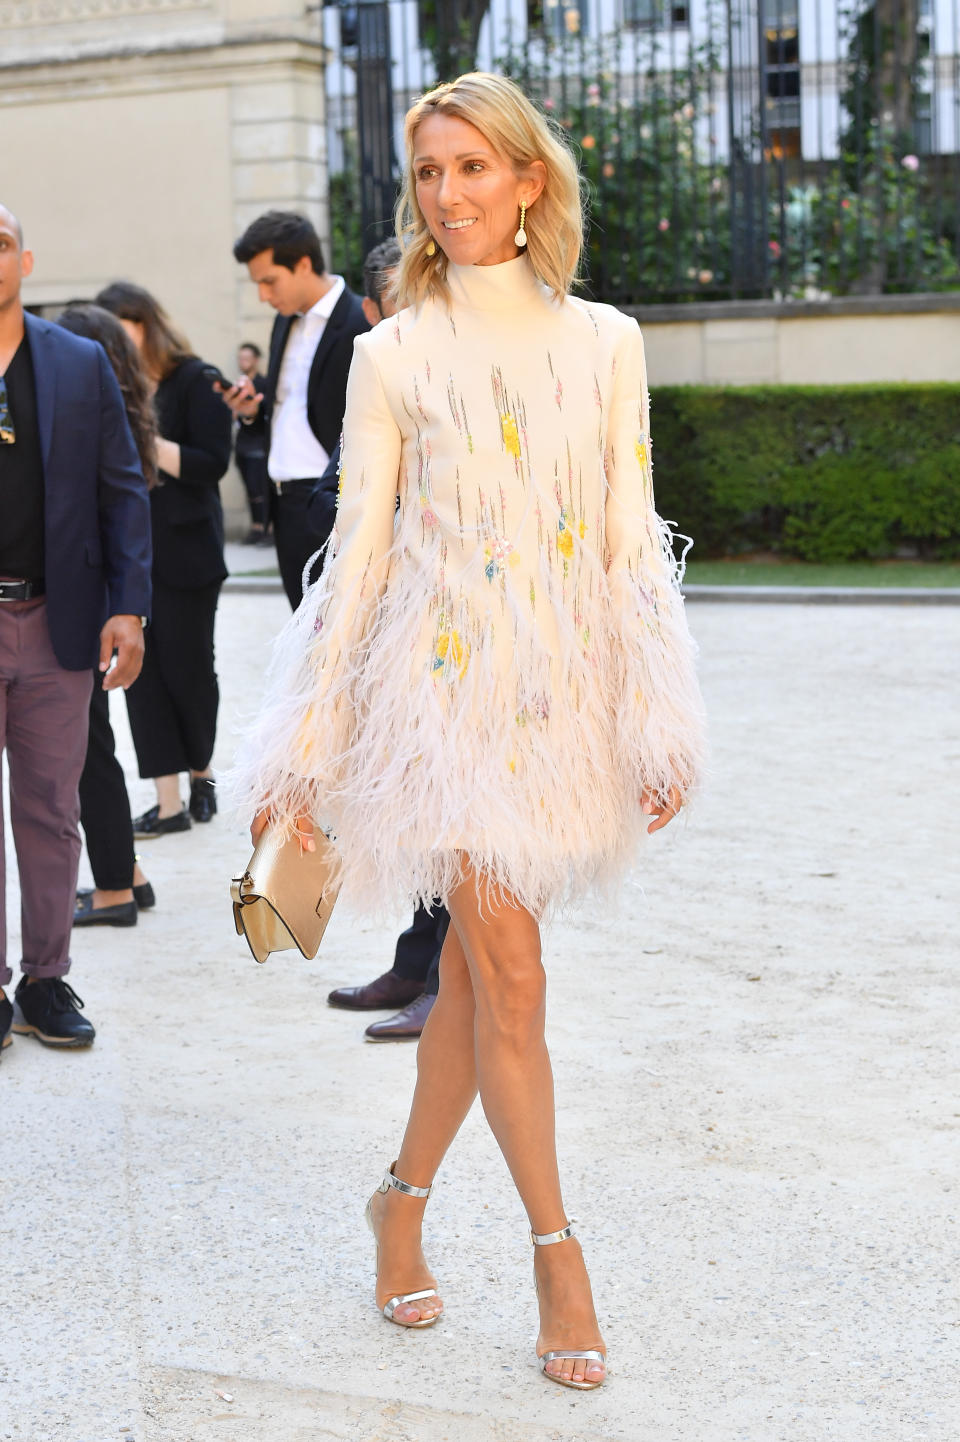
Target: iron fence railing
point(730, 148)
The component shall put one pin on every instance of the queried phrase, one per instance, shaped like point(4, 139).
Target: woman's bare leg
point(501, 944)
point(446, 1087)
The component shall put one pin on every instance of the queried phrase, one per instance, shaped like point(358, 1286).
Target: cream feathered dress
point(499, 665)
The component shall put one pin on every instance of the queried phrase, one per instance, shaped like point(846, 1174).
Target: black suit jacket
point(327, 386)
point(186, 509)
point(96, 511)
point(322, 505)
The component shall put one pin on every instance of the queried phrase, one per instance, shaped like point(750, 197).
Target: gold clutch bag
point(285, 896)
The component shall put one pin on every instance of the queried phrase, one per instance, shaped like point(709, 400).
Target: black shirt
point(21, 476)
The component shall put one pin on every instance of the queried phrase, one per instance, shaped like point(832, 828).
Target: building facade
point(139, 137)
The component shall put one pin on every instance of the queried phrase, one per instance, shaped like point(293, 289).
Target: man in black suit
point(311, 348)
point(74, 592)
point(414, 979)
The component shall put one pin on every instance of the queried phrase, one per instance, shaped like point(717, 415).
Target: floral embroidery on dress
point(640, 450)
point(450, 645)
point(538, 709)
point(427, 514)
point(497, 556)
point(511, 437)
point(565, 533)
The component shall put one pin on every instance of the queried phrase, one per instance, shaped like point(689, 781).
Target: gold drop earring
point(431, 246)
point(521, 236)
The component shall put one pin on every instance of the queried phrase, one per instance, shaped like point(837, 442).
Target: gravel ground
point(756, 1062)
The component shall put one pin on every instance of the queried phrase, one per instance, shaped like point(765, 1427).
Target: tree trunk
point(450, 29)
point(896, 22)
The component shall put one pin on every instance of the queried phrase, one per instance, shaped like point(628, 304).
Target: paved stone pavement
point(756, 1063)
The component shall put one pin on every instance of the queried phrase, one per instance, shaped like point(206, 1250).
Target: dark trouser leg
point(104, 804)
point(417, 957)
point(441, 918)
point(44, 727)
point(253, 469)
point(296, 540)
point(173, 704)
point(416, 946)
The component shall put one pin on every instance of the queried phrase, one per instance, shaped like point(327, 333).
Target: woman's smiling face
point(469, 194)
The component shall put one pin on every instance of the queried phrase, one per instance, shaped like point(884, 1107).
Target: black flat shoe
point(142, 895)
point(149, 825)
point(203, 799)
point(86, 914)
point(50, 1010)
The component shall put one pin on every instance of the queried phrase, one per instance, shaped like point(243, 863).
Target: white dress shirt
point(295, 452)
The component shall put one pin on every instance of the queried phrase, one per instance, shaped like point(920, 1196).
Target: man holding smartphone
point(311, 348)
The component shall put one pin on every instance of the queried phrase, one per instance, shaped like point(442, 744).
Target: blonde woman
point(490, 691)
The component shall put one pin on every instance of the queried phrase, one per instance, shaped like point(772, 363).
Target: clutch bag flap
point(284, 898)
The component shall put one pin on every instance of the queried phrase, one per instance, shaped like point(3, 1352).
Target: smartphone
point(216, 377)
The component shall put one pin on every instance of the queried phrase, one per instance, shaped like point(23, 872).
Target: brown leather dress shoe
point(385, 994)
point(406, 1025)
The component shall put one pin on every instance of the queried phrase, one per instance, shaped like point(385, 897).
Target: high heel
point(390, 1307)
point(546, 1239)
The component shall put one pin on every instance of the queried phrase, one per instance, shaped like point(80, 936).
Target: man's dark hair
point(288, 235)
point(382, 259)
point(250, 345)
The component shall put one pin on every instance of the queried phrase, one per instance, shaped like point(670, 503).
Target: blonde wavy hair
point(518, 131)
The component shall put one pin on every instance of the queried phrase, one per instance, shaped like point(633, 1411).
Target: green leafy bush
point(824, 473)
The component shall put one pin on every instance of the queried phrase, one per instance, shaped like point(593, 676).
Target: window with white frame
point(558, 18)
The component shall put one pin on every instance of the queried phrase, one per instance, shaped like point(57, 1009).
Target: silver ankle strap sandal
point(391, 1306)
point(547, 1239)
point(389, 1180)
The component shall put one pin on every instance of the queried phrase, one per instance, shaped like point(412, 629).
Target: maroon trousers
point(43, 728)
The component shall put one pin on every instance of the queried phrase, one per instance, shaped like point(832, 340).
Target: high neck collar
point(506, 286)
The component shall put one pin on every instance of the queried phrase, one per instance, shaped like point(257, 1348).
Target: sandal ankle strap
point(389, 1180)
point(546, 1239)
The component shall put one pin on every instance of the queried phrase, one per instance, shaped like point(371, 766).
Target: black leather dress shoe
point(148, 825)
point(385, 994)
point(50, 1010)
point(203, 798)
point(6, 1022)
point(124, 913)
point(406, 1025)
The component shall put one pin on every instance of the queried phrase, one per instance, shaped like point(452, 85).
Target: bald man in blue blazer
point(75, 559)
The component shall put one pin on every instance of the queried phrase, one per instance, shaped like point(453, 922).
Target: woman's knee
point(511, 995)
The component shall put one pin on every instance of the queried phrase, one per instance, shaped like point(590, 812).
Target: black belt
point(21, 590)
point(283, 488)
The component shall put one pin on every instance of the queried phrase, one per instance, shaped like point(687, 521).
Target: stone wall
point(837, 342)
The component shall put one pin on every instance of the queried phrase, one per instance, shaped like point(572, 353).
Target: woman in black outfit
point(121, 890)
point(173, 704)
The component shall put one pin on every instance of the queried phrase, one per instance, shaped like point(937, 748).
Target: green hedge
point(825, 473)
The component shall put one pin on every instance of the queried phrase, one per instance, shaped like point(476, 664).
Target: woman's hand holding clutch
point(303, 829)
point(662, 811)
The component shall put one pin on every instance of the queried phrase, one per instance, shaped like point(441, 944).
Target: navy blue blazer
point(97, 514)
